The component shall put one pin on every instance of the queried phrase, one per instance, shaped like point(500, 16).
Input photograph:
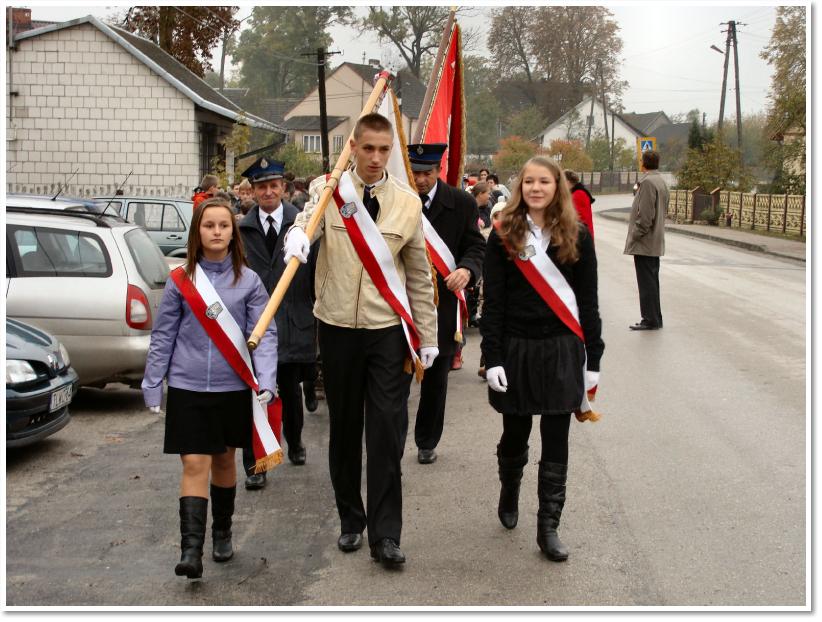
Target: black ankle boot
point(510, 476)
point(222, 509)
point(551, 492)
point(193, 514)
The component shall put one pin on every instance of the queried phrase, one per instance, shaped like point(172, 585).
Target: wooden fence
point(780, 213)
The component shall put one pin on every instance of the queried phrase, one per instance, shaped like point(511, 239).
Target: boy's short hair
point(373, 121)
point(245, 185)
point(209, 181)
point(650, 160)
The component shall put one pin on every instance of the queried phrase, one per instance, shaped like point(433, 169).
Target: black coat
point(453, 214)
point(295, 316)
point(512, 307)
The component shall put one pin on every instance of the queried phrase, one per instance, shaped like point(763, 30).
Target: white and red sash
point(222, 328)
point(551, 285)
point(445, 264)
point(376, 258)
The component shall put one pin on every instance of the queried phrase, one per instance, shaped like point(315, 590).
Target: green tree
point(298, 161)
point(270, 50)
point(482, 111)
point(714, 165)
point(528, 122)
point(786, 53)
point(513, 153)
point(415, 31)
point(237, 142)
point(187, 33)
point(510, 42)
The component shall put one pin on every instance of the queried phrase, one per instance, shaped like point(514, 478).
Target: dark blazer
point(295, 316)
point(453, 214)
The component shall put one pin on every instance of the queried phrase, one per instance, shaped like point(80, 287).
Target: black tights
point(553, 430)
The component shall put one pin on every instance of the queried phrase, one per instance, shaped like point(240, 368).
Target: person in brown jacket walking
point(646, 239)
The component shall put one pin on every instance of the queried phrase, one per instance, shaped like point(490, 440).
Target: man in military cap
point(263, 231)
point(452, 215)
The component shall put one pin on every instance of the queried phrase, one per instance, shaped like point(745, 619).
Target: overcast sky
point(667, 59)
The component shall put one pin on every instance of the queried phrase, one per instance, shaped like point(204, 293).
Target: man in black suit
point(453, 214)
point(263, 232)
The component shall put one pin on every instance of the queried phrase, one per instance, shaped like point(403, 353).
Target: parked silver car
point(166, 220)
point(94, 282)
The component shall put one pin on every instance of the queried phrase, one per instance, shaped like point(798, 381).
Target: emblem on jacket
point(527, 252)
point(348, 210)
point(214, 310)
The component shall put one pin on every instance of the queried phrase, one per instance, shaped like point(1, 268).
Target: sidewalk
point(749, 240)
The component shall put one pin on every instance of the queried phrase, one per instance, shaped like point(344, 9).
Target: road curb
point(750, 246)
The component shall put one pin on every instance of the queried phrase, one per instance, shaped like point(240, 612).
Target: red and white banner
point(445, 264)
point(444, 121)
point(544, 276)
point(376, 257)
point(222, 328)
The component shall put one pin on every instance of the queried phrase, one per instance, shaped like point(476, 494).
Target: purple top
point(182, 351)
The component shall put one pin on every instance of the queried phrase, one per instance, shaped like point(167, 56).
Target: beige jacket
point(346, 296)
point(646, 226)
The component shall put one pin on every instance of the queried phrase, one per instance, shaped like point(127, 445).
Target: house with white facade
point(573, 125)
point(347, 89)
point(89, 104)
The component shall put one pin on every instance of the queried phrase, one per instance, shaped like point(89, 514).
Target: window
point(58, 252)
point(311, 144)
point(338, 143)
point(147, 257)
point(155, 216)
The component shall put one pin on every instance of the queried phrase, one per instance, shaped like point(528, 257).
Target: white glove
point(265, 397)
point(591, 383)
point(496, 379)
point(427, 356)
point(296, 245)
point(154, 410)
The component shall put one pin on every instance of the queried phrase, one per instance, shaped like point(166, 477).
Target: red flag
point(444, 121)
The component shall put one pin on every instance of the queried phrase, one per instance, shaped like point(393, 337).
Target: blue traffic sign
point(647, 145)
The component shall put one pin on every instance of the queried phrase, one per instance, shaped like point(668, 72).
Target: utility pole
point(321, 56)
point(732, 27)
point(724, 81)
point(591, 114)
point(731, 40)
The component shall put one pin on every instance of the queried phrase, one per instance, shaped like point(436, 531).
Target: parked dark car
point(40, 384)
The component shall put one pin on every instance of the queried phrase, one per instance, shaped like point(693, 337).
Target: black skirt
point(545, 376)
point(207, 423)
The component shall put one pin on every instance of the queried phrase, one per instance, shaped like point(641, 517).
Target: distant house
point(91, 103)
point(347, 89)
point(573, 125)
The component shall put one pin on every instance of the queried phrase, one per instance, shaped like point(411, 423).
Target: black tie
point(371, 203)
point(271, 236)
point(424, 199)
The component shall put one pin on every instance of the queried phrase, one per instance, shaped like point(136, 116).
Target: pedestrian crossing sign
point(644, 143)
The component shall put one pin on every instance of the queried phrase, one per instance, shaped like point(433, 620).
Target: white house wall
point(559, 129)
point(86, 104)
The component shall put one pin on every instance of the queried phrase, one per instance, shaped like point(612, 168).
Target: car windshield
point(147, 256)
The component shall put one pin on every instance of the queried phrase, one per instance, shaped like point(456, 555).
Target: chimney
point(21, 18)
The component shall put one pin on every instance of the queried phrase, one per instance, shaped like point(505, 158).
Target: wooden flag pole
point(294, 263)
point(427, 100)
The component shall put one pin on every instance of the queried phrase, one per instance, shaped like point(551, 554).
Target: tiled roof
point(310, 123)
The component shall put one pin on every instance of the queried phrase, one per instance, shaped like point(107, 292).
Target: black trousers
point(553, 431)
point(289, 376)
point(431, 409)
point(647, 280)
point(366, 388)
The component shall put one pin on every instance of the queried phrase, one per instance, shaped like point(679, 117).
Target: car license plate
point(60, 398)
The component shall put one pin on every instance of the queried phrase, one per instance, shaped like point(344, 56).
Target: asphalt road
point(691, 490)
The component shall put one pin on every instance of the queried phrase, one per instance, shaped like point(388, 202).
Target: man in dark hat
point(452, 214)
point(263, 231)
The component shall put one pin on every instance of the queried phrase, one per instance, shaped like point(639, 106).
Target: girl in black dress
point(534, 360)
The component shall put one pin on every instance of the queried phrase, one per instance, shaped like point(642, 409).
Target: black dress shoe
point(349, 542)
point(310, 397)
point(255, 481)
point(644, 326)
point(297, 455)
point(426, 456)
point(387, 552)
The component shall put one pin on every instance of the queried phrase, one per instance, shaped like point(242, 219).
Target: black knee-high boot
point(193, 515)
point(222, 509)
point(510, 476)
point(551, 492)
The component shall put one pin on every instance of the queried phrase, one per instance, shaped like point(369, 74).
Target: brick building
point(88, 103)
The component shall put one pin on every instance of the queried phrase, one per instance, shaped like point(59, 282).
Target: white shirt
point(539, 233)
point(277, 214)
point(431, 194)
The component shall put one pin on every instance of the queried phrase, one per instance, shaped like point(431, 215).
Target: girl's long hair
point(560, 215)
point(195, 243)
